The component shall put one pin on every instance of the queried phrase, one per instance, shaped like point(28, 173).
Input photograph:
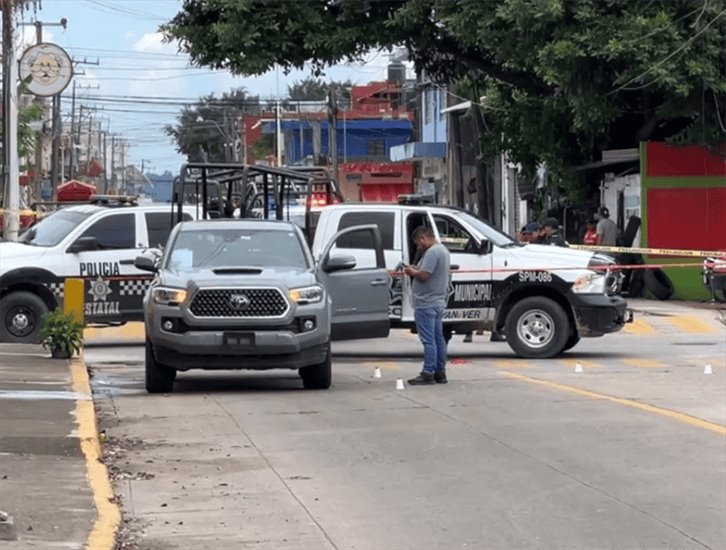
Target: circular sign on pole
point(47, 68)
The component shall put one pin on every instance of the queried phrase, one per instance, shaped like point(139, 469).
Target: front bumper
point(599, 314)
point(224, 361)
point(239, 343)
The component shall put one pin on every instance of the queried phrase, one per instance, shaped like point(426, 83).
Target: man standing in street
point(552, 232)
point(607, 231)
point(429, 292)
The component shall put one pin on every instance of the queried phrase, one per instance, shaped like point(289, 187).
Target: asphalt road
point(510, 454)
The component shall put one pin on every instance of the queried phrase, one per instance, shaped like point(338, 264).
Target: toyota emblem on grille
point(239, 302)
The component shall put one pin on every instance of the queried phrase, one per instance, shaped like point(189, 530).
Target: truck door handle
point(454, 267)
point(126, 262)
point(379, 282)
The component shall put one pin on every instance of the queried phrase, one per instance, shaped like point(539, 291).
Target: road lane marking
point(640, 327)
point(688, 323)
point(643, 363)
point(512, 364)
point(585, 364)
point(681, 417)
point(108, 514)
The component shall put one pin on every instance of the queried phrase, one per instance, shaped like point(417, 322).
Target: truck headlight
point(306, 294)
point(589, 283)
point(169, 296)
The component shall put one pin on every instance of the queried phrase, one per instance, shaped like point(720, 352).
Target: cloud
point(28, 37)
point(88, 78)
point(153, 42)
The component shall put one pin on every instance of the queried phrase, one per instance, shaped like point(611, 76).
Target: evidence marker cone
point(376, 372)
point(399, 384)
point(578, 367)
point(707, 369)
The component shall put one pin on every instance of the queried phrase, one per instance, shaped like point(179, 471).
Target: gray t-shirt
point(608, 230)
point(432, 292)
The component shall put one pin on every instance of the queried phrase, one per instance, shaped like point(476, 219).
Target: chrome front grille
point(239, 302)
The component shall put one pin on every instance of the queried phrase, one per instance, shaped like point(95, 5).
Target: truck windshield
point(53, 229)
point(493, 235)
point(210, 248)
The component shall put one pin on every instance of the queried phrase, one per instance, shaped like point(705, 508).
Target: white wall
point(630, 187)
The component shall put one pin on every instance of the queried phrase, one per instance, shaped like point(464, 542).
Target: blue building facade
point(430, 152)
point(357, 139)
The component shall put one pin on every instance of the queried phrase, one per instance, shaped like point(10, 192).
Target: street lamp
point(227, 143)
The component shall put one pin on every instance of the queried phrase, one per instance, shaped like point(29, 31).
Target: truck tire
point(22, 315)
point(159, 378)
point(658, 283)
point(572, 340)
point(318, 377)
point(537, 328)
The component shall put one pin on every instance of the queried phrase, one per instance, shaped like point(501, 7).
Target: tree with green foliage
point(559, 80)
point(27, 137)
point(312, 88)
point(208, 130)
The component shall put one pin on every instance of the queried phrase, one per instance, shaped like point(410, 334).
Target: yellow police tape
point(651, 251)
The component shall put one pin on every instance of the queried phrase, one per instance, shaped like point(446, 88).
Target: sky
point(122, 65)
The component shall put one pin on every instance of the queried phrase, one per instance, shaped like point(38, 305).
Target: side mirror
point(146, 262)
point(338, 263)
point(83, 244)
point(485, 247)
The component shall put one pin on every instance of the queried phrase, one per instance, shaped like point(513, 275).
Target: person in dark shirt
point(552, 232)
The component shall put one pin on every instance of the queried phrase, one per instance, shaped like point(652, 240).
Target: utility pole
point(243, 139)
point(105, 165)
point(278, 133)
point(11, 196)
point(39, 138)
point(113, 160)
point(71, 152)
point(123, 166)
point(333, 132)
point(88, 147)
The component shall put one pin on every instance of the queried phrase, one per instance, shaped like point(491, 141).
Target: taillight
point(318, 200)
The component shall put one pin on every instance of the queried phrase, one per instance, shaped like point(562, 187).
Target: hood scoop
point(237, 270)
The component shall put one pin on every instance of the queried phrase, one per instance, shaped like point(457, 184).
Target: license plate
point(239, 339)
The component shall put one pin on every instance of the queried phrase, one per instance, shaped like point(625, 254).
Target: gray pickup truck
point(247, 294)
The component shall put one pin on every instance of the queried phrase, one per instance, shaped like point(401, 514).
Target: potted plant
point(62, 333)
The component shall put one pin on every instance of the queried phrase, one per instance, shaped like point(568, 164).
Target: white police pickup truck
point(541, 298)
point(96, 243)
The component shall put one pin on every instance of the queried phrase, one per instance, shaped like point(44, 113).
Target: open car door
point(359, 293)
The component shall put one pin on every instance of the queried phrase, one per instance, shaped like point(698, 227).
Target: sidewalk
point(43, 482)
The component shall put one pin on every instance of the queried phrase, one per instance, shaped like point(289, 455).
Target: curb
point(108, 513)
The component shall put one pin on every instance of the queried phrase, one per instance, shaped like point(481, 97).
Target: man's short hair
point(604, 212)
point(423, 230)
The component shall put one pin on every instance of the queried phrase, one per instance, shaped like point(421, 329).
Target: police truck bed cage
point(224, 190)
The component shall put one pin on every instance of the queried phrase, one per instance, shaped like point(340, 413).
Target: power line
point(666, 58)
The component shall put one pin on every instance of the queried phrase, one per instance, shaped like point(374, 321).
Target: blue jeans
point(430, 328)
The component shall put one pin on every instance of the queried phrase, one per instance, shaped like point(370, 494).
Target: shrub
point(62, 333)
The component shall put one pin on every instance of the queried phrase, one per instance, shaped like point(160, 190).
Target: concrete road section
point(43, 482)
point(630, 452)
